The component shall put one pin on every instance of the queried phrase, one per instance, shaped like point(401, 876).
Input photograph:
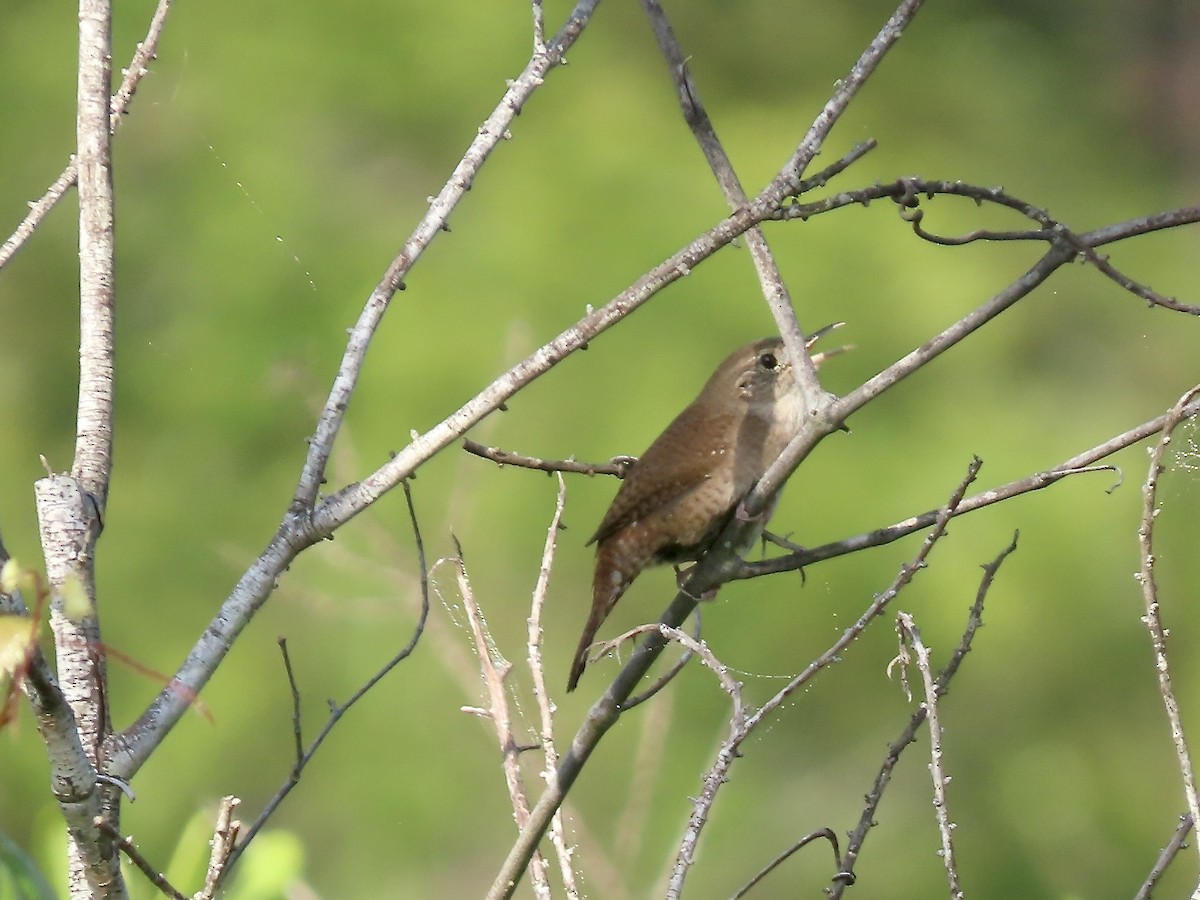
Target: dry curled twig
point(783, 857)
point(906, 193)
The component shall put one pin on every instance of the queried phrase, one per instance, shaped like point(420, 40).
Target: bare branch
point(297, 719)
point(905, 192)
point(762, 873)
point(491, 133)
point(910, 634)
point(156, 878)
point(1077, 465)
point(336, 711)
point(774, 290)
point(1153, 618)
point(667, 677)
point(133, 74)
point(224, 840)
point(302, 526)
point(495, 670)
point(537, 670)
point(730, 750)
point(1165, 858)
point(618, 466)
point(858, 836)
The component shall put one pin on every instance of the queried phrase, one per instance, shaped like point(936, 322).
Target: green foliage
point(326, 127)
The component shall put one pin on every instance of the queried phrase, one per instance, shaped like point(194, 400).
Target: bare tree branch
point(1153, 618)
point(1165, 858)
point(618, 466)
point(730, 750)
point(155, 877)
point(537, 670)
point(775, 292)
point(1077, 465)
point(491, 133)
point(70, 507)
point(306, 524)
point(906, 193)
point(910, 635)
point(845, 877)
point(132, 75)
point(783, 857)
point(495, 670)
point(224, 840)
point(336, 711)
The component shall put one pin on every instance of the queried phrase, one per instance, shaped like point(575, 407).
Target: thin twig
point(910, 635)
point(729, 684)
point(770, 867)
point(495, 670)
point(337, 711)
point(297, 718)
point(858, 836)
point(156, 878)
point(617, 466)
point(224, 840)
point(906, 192)
point(1077, 465)
point(1153, 618)
point(730, 750)
point(132, 75)
point(668, 676)
point(538, 673)
point(1165, 858)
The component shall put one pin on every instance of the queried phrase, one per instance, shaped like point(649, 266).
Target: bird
point(679, 495)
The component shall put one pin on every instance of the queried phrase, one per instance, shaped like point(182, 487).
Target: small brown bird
point(681, 492)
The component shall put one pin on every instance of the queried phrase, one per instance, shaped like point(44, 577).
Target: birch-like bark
point(71, 507)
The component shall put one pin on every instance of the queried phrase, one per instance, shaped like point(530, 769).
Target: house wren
point(680, 494)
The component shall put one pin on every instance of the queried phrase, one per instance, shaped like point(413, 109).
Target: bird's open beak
point(819, 358)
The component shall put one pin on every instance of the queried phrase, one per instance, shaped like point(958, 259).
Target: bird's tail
point(604, 598)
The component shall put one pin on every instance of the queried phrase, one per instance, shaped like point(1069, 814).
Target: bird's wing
point(680, 462)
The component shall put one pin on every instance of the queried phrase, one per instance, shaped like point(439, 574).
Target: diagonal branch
point(1080, 464)
point(845, 877)
point(304, 755)
point(491, 133)
point(132, 76)
point(774, 290)
point(730, 750)
point(300, 528)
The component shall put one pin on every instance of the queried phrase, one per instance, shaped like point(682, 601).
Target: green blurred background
point(275, 160)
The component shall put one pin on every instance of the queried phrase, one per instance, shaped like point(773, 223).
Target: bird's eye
point(768, 361)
